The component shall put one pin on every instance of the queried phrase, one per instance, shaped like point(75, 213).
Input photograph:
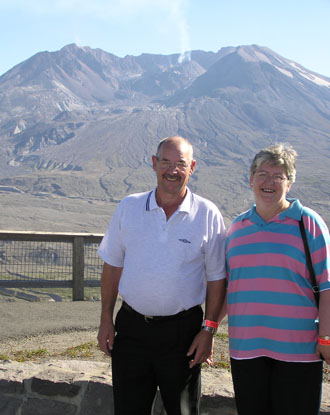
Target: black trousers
point(265, 386)
point(147, 355)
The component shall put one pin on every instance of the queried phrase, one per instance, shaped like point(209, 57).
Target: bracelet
point(324, 342)
point(210, 323)
point(324, 337)
point(210, 329)
point(210, 326)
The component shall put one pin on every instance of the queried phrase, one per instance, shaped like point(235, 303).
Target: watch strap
point(209, 329)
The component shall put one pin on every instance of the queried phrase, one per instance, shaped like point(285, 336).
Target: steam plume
point(179, 8)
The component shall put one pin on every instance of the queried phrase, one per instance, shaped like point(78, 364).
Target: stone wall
point(84, 388)
point(78, 387)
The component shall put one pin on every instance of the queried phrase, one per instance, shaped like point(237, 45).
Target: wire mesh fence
point(33, 260)
point(93, 263)
point(49, 259)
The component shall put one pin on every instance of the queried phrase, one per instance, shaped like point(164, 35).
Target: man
point(164, 253)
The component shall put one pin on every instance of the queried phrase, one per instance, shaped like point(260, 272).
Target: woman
point(274, 341)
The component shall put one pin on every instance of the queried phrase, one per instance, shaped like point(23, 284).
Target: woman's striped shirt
point(271, 307)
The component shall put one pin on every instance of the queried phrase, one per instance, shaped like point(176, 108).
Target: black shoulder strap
point(309, 262)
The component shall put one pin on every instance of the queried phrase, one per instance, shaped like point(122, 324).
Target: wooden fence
point(77, 242)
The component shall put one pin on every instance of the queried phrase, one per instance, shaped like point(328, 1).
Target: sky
point(295, 29)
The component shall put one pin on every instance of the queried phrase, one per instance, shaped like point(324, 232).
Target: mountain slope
point(78, 127)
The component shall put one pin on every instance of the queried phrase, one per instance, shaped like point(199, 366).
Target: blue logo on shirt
point(185, 241)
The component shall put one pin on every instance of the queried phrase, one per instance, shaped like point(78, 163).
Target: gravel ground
point(47, 331)
point(64, 330)
point(67, 330)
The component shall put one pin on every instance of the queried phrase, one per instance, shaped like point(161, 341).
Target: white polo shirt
point(166, 264)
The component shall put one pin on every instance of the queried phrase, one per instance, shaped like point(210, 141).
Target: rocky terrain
point(78, 128)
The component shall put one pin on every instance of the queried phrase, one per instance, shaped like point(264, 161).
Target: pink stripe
point(324, 277)
point(321, 254)
point(290, 221)
point(274, 355)
point(264, 284)
point(267, 237)
point(272, 310)
point(270, 260)
point(292, 336)
point(311, 226)
point(240, 225)
point(318, 256)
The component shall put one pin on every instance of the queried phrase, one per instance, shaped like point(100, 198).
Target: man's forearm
point(109, 290)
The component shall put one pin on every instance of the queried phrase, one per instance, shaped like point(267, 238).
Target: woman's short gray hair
point(280, 154)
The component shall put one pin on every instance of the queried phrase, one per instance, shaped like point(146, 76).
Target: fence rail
point(50, 259)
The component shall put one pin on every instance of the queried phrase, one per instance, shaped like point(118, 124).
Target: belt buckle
point(147, 319)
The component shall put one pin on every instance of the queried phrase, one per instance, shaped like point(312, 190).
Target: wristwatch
point(324, 337)
point(210, 329)
point(211, 326)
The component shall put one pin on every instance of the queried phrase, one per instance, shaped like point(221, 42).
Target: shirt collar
point(185, 206)
point(294, 211)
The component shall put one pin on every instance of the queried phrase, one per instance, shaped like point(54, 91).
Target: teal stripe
point(273, 345)
point(266, 248)
point(271, 227)
point(321, 266)
point(316, 218)
point(325, 286)
point(319, 242)
point(282, 323)
point(269, 297)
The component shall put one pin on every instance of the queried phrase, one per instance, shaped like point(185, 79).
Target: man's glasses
point(179, 165)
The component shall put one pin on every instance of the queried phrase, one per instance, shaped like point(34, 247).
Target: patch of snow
point(310, 76)
point(262, 57)
point(246, 55)
point(284, 71)
point(250, 55)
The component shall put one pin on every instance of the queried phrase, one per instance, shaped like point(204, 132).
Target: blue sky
point(296, 29)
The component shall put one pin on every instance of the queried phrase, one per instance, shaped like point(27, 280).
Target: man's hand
point(106, 337)
point(109, 291)
point(202, 346)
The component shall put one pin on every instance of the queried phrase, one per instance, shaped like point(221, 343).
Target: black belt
point(148, 319)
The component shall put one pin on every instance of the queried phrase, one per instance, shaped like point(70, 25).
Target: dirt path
point(68, 330)
point(65, 330)
point(21, 318)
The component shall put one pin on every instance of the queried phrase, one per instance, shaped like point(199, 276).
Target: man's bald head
point(175, 140)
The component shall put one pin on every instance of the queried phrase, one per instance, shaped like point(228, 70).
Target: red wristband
point(324, 342)
point(210, 323)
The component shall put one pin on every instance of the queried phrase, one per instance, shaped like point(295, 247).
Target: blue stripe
point(271, 227)
point(308, 212)
point(273, 345)
point(321, 266)
point(269, 297)
point(269, 272)
point(319, 242)
point(282, 323)
point(266, 248)
point(325, 286)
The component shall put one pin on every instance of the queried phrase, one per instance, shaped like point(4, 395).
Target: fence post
point(78, 262)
